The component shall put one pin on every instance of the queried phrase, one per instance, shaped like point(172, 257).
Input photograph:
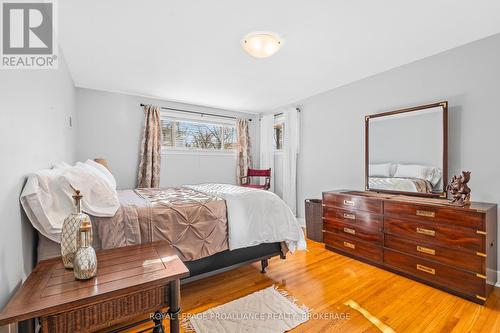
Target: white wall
point(35, 106)
point(332, 147)
point(110, 125)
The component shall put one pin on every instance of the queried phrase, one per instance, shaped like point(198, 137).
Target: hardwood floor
point(324, 281)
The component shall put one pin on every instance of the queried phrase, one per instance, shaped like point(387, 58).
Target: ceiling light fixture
point(261, 45)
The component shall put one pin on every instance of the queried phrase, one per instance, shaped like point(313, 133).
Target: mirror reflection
point(406, 151)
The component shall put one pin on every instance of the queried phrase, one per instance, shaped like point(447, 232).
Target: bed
point(405, 178)
point(400, 184)
point(213, 227)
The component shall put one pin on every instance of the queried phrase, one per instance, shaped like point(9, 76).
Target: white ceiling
point(190, 51)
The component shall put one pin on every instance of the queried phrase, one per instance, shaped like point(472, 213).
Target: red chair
point(246, 181)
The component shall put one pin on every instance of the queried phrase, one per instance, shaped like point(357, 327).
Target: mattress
point(198, 221)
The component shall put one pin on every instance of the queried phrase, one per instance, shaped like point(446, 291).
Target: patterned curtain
point(244, 149)
point(150, 158)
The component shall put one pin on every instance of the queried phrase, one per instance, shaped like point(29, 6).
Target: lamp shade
point(261, 45)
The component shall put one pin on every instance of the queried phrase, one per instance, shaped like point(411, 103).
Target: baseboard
point(490, 272)
point(498, 279)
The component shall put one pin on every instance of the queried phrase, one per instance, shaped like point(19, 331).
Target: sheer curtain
point(244, 148)
point(267, 144)
point(290, 154)
point(150, 158)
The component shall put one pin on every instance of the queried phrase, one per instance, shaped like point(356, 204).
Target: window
point(278, 131)
point(191, 134)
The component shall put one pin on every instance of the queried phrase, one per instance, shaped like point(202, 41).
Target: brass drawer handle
point(426, 213)
point(426, 250)
point(349, 245)
point(349, 216)
point(426, 269)
point(481, 276)
point(350, 231)
point(481, 298)
point(426, 232)
point(349, 203)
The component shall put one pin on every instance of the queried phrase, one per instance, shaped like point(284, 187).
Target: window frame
point(279, 120)
point(196, 118)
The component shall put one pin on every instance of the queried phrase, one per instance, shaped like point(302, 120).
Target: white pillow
point(102, 169)
point(99, 198)
point(380, 170)
point(45, 203)
point(47, 196)
point(436, 176)
point(416, 171)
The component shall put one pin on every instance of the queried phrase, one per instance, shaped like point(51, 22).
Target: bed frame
point(211, 265)
point(228, 260)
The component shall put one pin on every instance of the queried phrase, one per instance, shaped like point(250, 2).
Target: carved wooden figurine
point(459, 189)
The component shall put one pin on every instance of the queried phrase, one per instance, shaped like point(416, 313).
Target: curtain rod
point(281, 113)
point(200, 113)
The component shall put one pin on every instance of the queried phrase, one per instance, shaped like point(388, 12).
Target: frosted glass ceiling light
point(261, 45)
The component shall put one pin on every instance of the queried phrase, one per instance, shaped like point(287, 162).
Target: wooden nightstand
point(131, 282)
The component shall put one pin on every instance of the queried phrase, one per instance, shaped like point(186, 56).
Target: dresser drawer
point(455, 216)
point(354, 247)
point(353, 231)
point(353, 202)
point(439, 234)
point(359, 218)
point(464, 260)
point(456, 279)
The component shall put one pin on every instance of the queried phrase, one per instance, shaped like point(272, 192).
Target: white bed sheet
point(256, 217)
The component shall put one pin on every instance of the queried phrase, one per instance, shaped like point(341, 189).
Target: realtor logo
point(28, 31)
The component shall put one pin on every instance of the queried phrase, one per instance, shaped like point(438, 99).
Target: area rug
point(268, 310)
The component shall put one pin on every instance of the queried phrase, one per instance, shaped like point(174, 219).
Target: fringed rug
point(268, 310)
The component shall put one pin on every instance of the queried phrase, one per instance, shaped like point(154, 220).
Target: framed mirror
point(406, 151)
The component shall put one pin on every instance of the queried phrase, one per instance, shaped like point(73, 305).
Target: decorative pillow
point(104, 171)
point(380, 170)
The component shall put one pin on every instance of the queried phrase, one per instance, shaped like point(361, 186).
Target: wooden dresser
point(449, 247)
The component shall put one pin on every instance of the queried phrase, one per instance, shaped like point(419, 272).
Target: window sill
point(197, 152)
